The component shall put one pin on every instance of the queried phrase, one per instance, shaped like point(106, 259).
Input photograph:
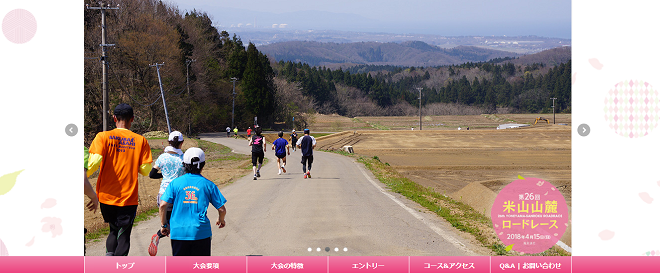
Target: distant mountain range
point(414, 53)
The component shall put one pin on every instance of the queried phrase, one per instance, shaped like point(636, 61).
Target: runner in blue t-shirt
point(280, 145)
point(170, 165)
point(190, 228)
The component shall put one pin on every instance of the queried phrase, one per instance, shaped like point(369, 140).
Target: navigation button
point(584, 129)
point(71, 130)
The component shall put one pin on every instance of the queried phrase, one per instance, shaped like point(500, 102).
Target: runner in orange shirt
point(121, 155)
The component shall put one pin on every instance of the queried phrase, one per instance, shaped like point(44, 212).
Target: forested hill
point(469, 88)
point(191, 50)
point(413, 53)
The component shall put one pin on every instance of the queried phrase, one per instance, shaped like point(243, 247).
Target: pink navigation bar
point(224, 264)
point(422, 264)
point(302, 264)
point(616, 264)
point(380, 264)
point(332, 264)
point(123, 264)
point(531, 264)
point(54, 264)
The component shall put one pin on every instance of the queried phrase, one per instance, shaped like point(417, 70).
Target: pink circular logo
point(529, 215)
point(631, 108)
point(19, 26)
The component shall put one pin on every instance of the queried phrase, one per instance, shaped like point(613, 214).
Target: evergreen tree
point(256, 85)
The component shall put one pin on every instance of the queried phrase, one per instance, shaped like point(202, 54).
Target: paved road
point(342, 206)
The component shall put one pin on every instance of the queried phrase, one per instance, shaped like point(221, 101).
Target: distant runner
point(249, 131)
point(294, 139)
point(306, 145)
point(257, 151)
point(280, 145)
point(228, 131)
point(235, 132)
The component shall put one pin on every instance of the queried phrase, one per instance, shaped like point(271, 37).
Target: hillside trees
point(486, 85)
point(257, 83)
point(148, 31)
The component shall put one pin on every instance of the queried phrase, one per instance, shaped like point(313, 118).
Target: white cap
point(192, 153)
point(175, 136)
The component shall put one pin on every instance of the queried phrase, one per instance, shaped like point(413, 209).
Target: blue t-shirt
point(171, 166)
point(191, 194)
point(280, 146)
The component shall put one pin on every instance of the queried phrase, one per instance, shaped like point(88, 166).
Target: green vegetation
point(459, 215)
point(159, 32)
point(319, 134)
point(489, 86)
point(99, 234)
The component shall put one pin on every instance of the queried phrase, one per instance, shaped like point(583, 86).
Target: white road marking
point(432, 226)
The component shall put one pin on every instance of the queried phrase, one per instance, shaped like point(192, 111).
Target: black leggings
point(120, 220)
point(309, 160)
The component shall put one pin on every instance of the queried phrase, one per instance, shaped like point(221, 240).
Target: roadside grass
point(96, 236)
point(459, 215)
point(320, 134)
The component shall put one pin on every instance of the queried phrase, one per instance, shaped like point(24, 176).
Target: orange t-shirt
point(123, 153)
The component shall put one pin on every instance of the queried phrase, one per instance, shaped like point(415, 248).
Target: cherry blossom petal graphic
point(8, 181)
point(3, 249)
point(646, 197)
point(31, 242)
point(596, 63)
point(606, 235)
point(49, 203)
point(53, 225)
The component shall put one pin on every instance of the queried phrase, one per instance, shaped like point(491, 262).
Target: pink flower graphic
point(53, 225)
point(606, 235)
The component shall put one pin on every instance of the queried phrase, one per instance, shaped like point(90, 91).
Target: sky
point(548, 18)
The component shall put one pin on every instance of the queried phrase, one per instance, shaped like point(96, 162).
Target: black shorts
point(308, 159)
point(118, 216)
point(280, 156)
point(257, 157)
point(201, 247)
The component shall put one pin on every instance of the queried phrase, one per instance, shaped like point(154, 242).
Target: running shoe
point(309, 175)
point(255, 177)
point(258, 174)
point(153, 247)
point(283, 170)
point(305, 176)
point(279, 173)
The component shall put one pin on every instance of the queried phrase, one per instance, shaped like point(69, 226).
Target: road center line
point(432, 226)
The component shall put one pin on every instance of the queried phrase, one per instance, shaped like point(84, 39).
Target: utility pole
point(233, 100)
point(420, 107)
point(188, 62)
point(104, 60)
point(553, 110)
point(160, 83)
